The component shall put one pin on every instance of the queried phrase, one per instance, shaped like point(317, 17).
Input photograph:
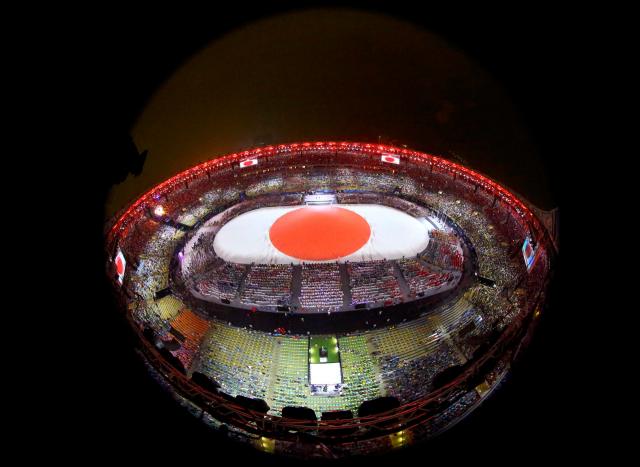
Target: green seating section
point(168, 307)
point(361, 376)
point(238, 359)
point(407, 341)
point(289, 382)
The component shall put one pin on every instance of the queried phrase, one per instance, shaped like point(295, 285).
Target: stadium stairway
point(454, 316)
point(404, 288)
point(296, 285)
point(269, 397)
point(236, 300)
point(193, 330)
point(346, 289)
point(439, 323)
point(431, 267)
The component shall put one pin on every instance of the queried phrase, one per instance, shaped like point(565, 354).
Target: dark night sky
point(334, 75)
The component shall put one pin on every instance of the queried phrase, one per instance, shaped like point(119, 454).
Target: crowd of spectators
point(238, 359)
point(321, 286)
point(271, 184)
point(268, 285)
point(373, 282)
point(420, 279)
point(477, 213)
point(409, 380)
point(141, 232)
point(191, 329)
point(495, 305)
point(443, 250)
point(222, 282)
point(202, 253)
point(152, 273)
point(497, 257)
point(146, 314)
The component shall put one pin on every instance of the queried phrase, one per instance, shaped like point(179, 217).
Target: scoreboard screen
point(529, 253)
point(121, 264)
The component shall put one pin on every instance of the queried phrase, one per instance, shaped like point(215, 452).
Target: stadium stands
point(152, 273)
point(224, 281)
point(289, 385)
point(361, 377)
point(411, 354)
point(268, 285)
point(373, 282)
point(147, 314)
point(321, 286)
point(444, 250)
point(191, 330)
point(420, 279)
point(400, 360)
point(238, 359)
point(169, 307)
point(271, 184)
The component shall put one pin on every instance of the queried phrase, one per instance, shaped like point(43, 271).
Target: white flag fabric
point(390, 159)
point(248, 163)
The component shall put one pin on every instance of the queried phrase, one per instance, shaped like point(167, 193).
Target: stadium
point(330, 299)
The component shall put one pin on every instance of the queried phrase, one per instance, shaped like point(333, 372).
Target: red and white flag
point(389, 159)
point(248, 163)
point(121, 264)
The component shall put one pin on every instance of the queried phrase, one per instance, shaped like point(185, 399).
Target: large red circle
point(119, 266)
point(319, 233)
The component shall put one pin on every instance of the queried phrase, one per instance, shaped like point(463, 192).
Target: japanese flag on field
point(389, 159)
point(121, 264)
point(248, 163)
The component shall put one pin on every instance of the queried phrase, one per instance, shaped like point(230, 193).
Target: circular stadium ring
point(259, 319)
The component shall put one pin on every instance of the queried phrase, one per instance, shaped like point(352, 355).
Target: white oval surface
point(394, 234)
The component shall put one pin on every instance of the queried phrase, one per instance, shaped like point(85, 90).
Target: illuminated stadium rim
point(364, 148)
point(407, 415)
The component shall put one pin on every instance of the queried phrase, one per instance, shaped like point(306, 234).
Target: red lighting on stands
point(376, 151)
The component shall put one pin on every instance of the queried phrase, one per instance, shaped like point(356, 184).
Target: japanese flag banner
point(248, 163)
point(121, 264)
point(389, 159)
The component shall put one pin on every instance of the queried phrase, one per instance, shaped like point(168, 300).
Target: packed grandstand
point(409, 329)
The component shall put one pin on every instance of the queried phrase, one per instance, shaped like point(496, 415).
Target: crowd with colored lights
point(268, 285)
point(373, 282)
point(321, 286)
